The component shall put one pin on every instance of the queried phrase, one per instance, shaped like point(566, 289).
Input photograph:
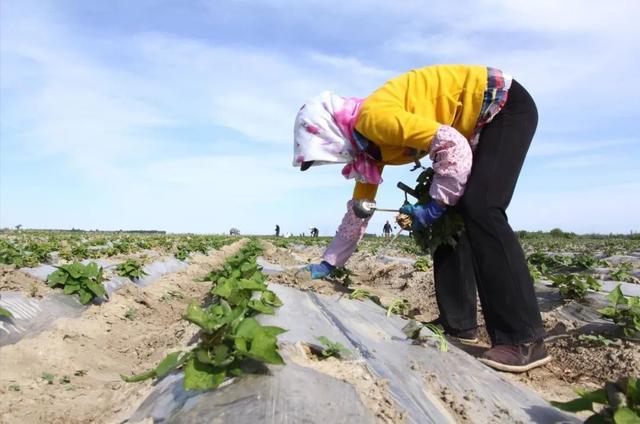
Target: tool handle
point(402, 186)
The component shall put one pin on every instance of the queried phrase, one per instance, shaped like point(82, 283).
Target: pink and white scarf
point(323, 133)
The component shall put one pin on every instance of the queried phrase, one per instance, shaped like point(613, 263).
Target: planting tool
point(366, 208)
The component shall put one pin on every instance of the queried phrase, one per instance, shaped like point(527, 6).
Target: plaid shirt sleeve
point(495, 97)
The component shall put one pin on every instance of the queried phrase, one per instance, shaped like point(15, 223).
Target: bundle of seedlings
point(445, 230)
point(232, 341)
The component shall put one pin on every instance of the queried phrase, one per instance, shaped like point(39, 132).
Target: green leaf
point(575, 405)
point(264, 347)
point(201, 318)
point(616, 297)
point(625, 415)
point(91, 270)
point(633, 391)
point(75, 270)
point(245, 284)
point(5, 313)
point(596, 419)
point(259, 306)
point(597, 396)
point(58, 277)
point(70, 289)
point(273, 331)
point(225, 289)
point(248, 328)
point(199, 376)
point(138, 377)
point(97, 289)
point(85, 296)
point(608, 311)
point(270, 298)
point(170, 363)
point(241, 344)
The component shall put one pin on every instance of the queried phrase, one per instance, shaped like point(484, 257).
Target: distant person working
point(386, 230)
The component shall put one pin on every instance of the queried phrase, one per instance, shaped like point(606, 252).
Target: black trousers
point(488, 255)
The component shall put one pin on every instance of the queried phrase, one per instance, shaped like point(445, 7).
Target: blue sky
point(178, 115)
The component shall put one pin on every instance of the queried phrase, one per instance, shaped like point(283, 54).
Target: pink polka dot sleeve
point(452, 159)
point(346, 240)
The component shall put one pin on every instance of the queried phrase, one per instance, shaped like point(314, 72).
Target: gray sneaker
point(516, 358)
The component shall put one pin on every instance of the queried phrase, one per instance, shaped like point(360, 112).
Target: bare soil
point(576, 363)
point(129, 334)
point(372, 392)
point(12, 279)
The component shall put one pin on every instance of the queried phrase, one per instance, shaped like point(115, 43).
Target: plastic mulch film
point(31, 316)
point(427, 385)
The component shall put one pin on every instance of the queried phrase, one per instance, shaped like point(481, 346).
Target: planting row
point(231, 341)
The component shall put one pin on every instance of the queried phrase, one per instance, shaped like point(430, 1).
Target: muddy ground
point(576, 362)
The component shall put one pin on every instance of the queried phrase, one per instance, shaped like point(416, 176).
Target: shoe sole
point(515, 368)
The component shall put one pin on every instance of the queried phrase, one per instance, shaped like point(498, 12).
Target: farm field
point(67, 368)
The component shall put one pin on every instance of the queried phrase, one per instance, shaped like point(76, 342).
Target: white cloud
point(100, 105)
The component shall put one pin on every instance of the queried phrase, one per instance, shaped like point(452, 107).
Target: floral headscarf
point(324, 133)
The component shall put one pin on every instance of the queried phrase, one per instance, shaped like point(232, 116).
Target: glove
point(423, 215)
point(320, 270)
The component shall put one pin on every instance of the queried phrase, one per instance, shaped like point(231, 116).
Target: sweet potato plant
point(620, 402)
point(446, 230)
point(624, 311)
point(230, 336)
point(131, 269)
point(575, 286)
point(82, 280)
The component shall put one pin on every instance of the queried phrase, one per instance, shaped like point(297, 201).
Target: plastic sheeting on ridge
point(416, 376)
point(31, 316)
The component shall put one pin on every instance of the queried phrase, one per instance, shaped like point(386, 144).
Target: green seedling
point(413, 328)
point(446, 230)
point(536, 275)
point(172, 294)
point(82, 280)
point(65, 379)
point(229, 335)
point(343, 275)
point(182, 253)
point(585, 262)
point(575, 286)
point(596, 338)
point(359, 294)
point(131, 314)
point(131, 269)
point(624, 311)
point(14, 387)
point(421, 264)
point(398, 307)
point(333, 349)
point(33, 289)
point(5, 313)
point(48, 377)
point(622, 272)
point(620, 402)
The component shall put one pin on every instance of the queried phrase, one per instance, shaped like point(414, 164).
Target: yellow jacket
point(403, 115)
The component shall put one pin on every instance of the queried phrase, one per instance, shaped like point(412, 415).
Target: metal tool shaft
point(386, 210)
